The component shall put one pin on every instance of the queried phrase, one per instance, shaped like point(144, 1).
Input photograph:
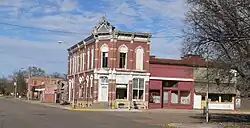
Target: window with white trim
point(77, 64)
point(91, 87)
point(138, 86)
point(92, 58)
point(104, 56)
point(88, 62)
point(83, 61)
point(74, 61)
point(70, 65)
point(104, 59)
point(123, 56)
point(80, 63)
point(139, 58)
point(123, 59)
point(81, 92)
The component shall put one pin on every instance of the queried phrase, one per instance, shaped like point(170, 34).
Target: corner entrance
point(103, 89)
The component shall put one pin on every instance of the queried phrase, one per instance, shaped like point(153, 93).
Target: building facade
point(109, 66)
point(35, 85)
point(171, 84)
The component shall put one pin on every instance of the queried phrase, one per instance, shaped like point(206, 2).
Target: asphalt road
point(18, 114)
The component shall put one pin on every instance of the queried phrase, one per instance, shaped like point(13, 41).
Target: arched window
point(139, 58)
point(104, 55)
point(123, 49)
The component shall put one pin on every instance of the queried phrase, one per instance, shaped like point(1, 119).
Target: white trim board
point(169, 78)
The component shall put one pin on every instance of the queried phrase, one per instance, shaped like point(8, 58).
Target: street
point(15, 113)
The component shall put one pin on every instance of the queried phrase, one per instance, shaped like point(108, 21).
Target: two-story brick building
point(35, 85)
point(109, 65)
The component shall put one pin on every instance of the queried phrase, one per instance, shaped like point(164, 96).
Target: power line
point(43, 29)
point(68, 32)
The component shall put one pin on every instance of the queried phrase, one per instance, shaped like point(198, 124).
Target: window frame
point(88, 61)
point(102, 60)
point(127, 90)
point(123, 66)
point(138, 89)
point(140, 65)
point(92, 58)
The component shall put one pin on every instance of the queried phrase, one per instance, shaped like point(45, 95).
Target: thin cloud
point(162, 18)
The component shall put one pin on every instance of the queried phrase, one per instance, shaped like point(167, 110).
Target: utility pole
point(207, 102)
point(15, 87)
point(29, 76)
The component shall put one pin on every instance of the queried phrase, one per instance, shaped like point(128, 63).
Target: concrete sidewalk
point(184, 125)
point(196, 111)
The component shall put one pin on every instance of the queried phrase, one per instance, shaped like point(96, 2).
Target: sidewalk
point(46, 104)
point(182, 125)
point(77, 109)
point(196, 111)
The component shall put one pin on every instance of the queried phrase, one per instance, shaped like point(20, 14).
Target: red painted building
point(171, 83)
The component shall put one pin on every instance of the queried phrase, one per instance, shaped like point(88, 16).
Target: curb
point(102, 110)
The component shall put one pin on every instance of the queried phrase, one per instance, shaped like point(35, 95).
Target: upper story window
point(77, 63)
point(123, 56)
point(83, 61)
point(80, 63)
point(104, 55)
point(73, 65)
point(88, 61)
point(139, 58)
point(70, 65)
point(92, 58)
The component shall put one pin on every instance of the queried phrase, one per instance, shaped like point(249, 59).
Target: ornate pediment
point(103, 27)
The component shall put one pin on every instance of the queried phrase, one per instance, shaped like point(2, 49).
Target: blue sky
point(30, 29)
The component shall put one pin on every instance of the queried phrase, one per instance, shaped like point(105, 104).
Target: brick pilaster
point(130, 96)
point(146, 90)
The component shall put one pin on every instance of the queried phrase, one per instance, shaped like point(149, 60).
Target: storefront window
point(165, 96)
point(185, 97)
point(138, 88)
point(121, 91)
point(226, 98)
point(174, 97)
point(214, 97)
point(154, 96)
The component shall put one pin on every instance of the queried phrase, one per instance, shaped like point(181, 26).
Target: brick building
point(171, 83)
point(36, 85)
point(110, 66)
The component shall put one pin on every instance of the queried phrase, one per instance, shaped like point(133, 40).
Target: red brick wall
point(159, 70)
point(49, 98)
point(114, 55)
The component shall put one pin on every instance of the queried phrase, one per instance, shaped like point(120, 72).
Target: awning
point(39, 89)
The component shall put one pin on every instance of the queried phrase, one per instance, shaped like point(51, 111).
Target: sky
point(30, 29)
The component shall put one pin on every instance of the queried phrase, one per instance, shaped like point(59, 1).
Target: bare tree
point(56, 75)
point(221, 28)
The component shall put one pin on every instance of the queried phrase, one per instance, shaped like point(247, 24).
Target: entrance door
point(104, 93)
point(103, 89)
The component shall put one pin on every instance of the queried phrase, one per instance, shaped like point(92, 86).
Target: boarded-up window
point(139, 58)
point(185, 97)
point(174, 97)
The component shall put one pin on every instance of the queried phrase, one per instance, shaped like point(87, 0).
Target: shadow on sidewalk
point(240, 119)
